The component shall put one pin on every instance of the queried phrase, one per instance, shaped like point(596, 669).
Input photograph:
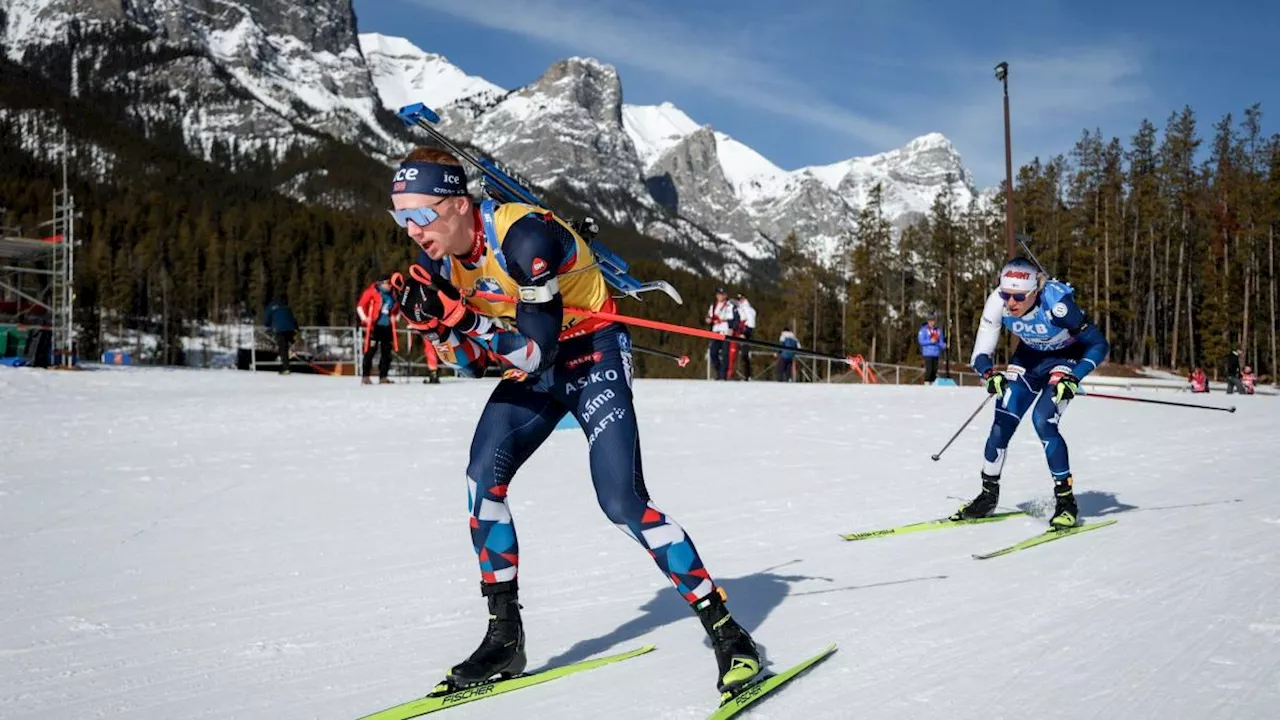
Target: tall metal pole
point(1002, 74)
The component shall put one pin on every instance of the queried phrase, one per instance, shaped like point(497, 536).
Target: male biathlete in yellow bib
point(554, 363)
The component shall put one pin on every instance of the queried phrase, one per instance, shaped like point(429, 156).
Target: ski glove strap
point(995, 382)
point(1065, 386)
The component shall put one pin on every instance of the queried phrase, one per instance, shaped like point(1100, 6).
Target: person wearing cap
point(722, 317)
point(1058, 346)
point(378, 314)
point(932, 344)
point(494, 284)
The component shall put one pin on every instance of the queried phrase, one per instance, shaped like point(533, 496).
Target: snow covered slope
point(224, 545)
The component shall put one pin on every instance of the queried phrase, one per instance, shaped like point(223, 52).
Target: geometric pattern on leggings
point(1020, 396)
point(674, 553)
point(493, 536)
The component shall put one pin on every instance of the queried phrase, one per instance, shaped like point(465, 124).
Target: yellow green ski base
point(1044, 537)
point(436, 703)
point(930, 525)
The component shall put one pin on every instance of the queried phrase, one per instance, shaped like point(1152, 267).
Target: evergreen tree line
point(1169, 243)
point(1170, 246)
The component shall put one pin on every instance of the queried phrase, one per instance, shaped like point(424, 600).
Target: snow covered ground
point(217, 544)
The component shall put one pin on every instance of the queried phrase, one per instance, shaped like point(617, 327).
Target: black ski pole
point(938, 454)
point(1230, 409)
point(681, 360)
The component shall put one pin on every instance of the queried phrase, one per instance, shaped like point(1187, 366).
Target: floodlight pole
point(1002, 74)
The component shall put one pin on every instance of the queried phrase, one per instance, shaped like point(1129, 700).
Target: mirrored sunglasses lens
point(421, 217)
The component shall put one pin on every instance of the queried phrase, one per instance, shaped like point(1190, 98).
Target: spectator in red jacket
point(1199, 382)
point(378, 313)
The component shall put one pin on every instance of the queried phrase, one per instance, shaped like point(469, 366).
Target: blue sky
point(809, 83)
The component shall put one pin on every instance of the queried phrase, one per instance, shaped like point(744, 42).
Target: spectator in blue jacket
point(279, 320)
point(931, 346)
point(785, 371)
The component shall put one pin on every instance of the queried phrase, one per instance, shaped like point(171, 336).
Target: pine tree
point(1181, 184)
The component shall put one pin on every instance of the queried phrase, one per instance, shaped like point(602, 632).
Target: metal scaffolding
point(37, 281)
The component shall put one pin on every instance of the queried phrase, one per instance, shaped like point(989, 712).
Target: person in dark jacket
point(932, 344)
point(280, 321)
point(1233, 373)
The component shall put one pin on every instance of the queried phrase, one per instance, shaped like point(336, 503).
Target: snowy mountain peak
point(929, 141)
point(405, 73)
point(586, 84)
point(389, 45)
point(654, 129)
point(245, 74)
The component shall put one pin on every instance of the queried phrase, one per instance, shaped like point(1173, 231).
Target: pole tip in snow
point(413, 114)
point(936, 457)
point(1231, 409)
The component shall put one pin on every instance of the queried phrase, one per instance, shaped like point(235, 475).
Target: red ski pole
point(671, 327)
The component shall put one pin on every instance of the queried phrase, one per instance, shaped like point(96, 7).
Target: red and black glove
point(429, 302)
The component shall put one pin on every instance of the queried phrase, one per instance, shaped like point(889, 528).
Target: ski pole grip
point(411, 114)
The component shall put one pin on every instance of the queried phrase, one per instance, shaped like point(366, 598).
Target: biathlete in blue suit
point(1058, 348)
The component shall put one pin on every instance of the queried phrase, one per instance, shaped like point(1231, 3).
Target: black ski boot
point(737, 658)
point(1065, 513)
point(983, 505)
point(502, 650)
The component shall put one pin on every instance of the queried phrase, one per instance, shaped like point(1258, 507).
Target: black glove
point(995, 382)
point(428, 299)
point(420, 304)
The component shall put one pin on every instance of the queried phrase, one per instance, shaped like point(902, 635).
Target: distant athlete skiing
point(553, 363)
point(1058, 348)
